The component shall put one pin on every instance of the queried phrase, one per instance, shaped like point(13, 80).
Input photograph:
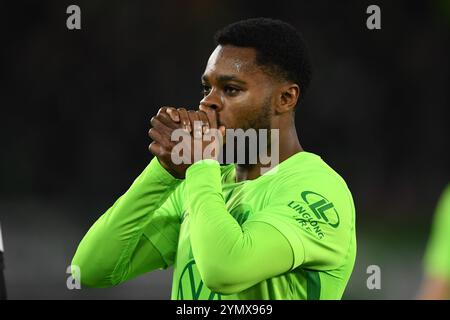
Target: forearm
point(229, 257)
point(106, 252)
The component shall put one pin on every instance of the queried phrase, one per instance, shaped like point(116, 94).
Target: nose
point(212, 100)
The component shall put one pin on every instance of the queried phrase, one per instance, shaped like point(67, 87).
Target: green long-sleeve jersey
point(289, 234)
point(437, 255)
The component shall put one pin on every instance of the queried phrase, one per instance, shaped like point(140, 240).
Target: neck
point(289, 145)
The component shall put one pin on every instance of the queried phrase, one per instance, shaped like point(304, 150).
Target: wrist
point(165, 173)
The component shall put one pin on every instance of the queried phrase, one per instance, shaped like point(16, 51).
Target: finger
point(211, 114)
point(160, 138)
point(170, 113)
point(173, 113)
point(159, 125)
point(184, 118)
point(222, 131)
point(165, 119)
point(205, 121)
point(162, 110)
point(168, 121)
point(195, 123)
point(158, 151)
point(155, 149)
point(219, 135)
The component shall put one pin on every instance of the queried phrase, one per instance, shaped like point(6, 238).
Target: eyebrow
point(224, 78)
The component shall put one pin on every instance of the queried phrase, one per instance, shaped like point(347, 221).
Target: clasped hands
point(182, 137)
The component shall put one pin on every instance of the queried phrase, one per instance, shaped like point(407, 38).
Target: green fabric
point(437, 256)
point(289, 234)
point(116, 247)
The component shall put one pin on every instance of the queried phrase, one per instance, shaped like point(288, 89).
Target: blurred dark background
point(76, 105)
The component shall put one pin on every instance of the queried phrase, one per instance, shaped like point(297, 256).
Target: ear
point(287, 98)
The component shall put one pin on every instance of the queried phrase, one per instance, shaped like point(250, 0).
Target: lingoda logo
point(321, 208)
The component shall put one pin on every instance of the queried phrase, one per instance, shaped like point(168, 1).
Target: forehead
point(232, 60)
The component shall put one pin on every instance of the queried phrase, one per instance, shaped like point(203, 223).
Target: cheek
point(240, 115)
point(246, 102)
point(243, 110)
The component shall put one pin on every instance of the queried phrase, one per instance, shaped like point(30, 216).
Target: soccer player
point(231, 231)
point(436, 285)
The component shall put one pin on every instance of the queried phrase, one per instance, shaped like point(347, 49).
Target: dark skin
point(238, 93)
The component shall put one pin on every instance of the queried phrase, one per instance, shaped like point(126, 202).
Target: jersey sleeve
point(232, 258)
point(136, 235)
point(437, 255)
point(163, 227)
point(316, 215)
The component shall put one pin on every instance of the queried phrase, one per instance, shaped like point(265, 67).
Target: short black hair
point(281, 50)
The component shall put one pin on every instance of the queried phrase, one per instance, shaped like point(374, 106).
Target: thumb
point(222, 130)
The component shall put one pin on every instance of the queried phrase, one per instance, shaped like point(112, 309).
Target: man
point(436, 285)
point(230, 231)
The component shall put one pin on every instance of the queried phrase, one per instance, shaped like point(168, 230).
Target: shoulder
point(307, 181)
point(312, 206)
point(308, 170)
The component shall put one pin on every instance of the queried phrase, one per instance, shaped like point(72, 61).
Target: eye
point(205, 89)
point(231, 90)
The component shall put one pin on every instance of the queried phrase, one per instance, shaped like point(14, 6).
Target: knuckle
point(164, 154)
point(151, 132)
point(163, 116)
point(155, 135)
point(152, 147)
